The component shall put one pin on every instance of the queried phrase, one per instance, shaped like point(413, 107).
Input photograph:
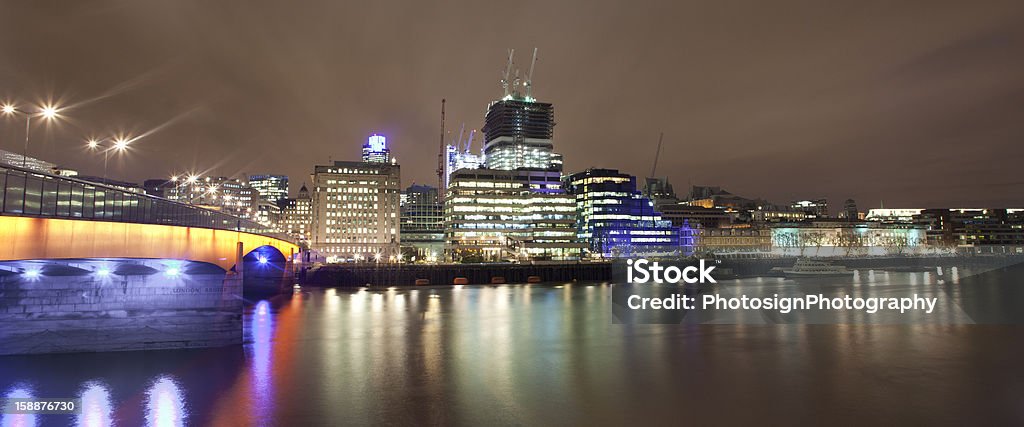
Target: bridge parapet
point(44, 216)
point(29, 193)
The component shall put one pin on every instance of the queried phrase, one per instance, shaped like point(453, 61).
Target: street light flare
point(121, 144)
point(49, 111)
point(92, 143)
point(9, 109)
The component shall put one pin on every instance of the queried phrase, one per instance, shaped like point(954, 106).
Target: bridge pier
point(90, 305)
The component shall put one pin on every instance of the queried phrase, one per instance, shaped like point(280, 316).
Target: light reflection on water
point(96, 408)
point(537, 354)
point(165, 404)
point(22, 391)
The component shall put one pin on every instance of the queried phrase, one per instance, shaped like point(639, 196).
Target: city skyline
point(731, 117)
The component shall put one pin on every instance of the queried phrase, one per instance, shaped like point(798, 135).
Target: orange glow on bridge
point(47, 238)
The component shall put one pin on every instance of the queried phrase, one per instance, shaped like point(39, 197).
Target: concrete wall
point(114, 305)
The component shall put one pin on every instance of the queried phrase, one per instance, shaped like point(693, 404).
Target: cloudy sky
point(912, 103)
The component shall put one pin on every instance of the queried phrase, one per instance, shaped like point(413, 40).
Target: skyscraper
point(518, 129)
point(376, 150)
point(515, 207)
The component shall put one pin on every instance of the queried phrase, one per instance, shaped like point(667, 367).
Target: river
point(533, 355)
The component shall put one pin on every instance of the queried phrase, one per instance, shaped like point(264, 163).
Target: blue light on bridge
point(173, 271)
point(103, 272)
point(263, 259)
point(32, 274)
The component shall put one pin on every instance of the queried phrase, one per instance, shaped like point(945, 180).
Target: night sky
point(917, 104)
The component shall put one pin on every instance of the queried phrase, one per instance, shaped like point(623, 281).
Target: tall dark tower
point(518, 129)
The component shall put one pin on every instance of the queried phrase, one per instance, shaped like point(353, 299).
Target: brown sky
point(913, 103)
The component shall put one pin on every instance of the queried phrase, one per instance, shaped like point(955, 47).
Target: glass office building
point(272, 188)
point(616, 220)
point(495, 215)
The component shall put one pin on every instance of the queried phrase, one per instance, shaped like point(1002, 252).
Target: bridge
point(92, 267)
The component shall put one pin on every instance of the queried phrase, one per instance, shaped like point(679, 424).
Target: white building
point(356, 210)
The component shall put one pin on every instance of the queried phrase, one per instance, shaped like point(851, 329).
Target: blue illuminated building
point(617, 221)
point(375, 150)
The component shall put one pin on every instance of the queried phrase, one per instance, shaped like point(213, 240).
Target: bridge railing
point(31, 193)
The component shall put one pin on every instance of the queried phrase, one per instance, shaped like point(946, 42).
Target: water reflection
point(22, 391)
point(96, 408)
point(262, 353)
point(517, 354)
point(165, 404)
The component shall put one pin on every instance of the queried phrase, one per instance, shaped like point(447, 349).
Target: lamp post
point(46, 111)
point(118, 144)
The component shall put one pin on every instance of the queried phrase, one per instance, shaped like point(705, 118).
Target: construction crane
point(469, 142)
point(508, 72)
point(440, 159)
point(657, 153)
point(529, 77)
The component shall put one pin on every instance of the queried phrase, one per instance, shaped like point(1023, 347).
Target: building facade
point(847, 238)
point(297, 216)
point(616, 220)
point(272, 188)
point(495, 215)
point(816, 208)
point(422, 223)
point(356, 210)
point(376, 150)
point(518, 134)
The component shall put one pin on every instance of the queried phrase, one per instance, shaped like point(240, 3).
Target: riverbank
point(371, 274)
point(446, 274)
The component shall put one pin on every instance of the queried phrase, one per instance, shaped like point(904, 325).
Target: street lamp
point(46, 111)
point(118, 144)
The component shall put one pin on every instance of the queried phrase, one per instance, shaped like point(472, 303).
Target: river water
point(534, 355)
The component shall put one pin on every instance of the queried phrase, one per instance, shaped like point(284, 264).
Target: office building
point(694, 216)
point(272, 188)
point(356, 210)
point(616, 220)
point(376, 150)
point(816, 208)
point(495, 215)
point(19, 160)
point(518, 129)
point(974, 230)
point(229, 195)
point(847, 238)
point(458, 158)
point(297, 216)
point(422, 223)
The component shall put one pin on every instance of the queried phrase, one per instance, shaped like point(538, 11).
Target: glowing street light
point(120, 145)
point(46, 111)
